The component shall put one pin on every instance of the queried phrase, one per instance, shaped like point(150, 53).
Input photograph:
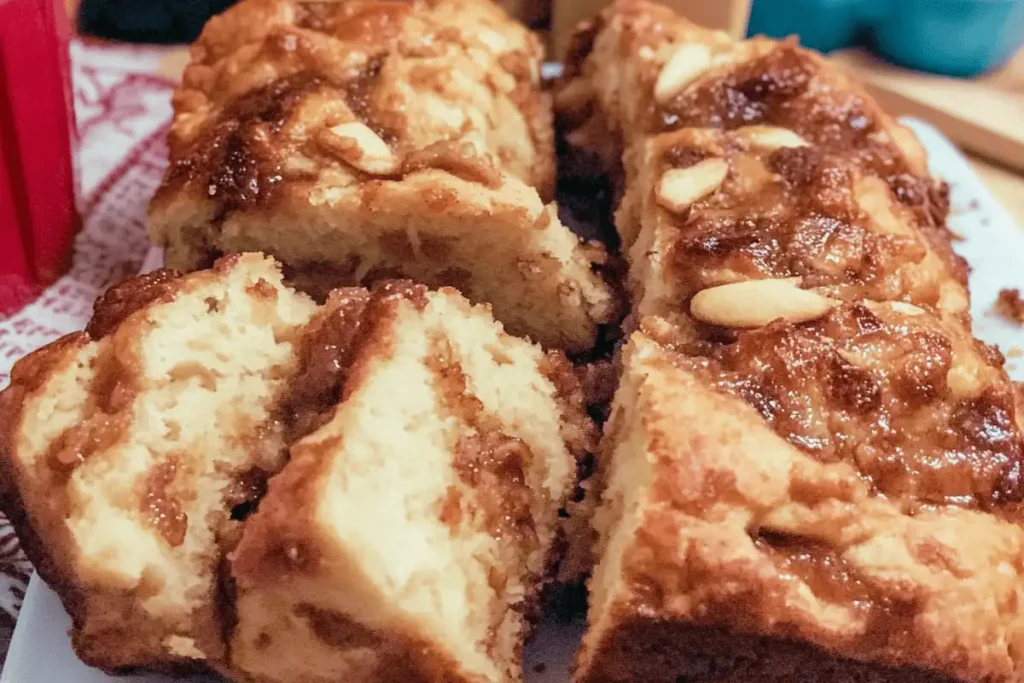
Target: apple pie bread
point(417, 456)
point(364, 140)
point(125, 448)
point(813, 470)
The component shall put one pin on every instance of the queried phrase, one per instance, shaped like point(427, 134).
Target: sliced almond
point(687, 63)
point(905, 308)
point(875, 200)
point(298, 166)
point(964, 381)
point(769, 138)
point(680, 187)
point(357, 145)
point(756, 303)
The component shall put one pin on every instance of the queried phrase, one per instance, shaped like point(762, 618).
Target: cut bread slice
point(126, 447)
point(408, 537)
point(727, 553)
point(497, 245)
point(364, 141)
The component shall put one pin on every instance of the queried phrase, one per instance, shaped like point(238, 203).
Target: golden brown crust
point(309, 65)
point(124, 298)
point(646, 650)
point(866, 380)
point(27, 377)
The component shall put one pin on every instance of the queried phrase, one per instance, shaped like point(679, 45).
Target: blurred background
point(951, 37)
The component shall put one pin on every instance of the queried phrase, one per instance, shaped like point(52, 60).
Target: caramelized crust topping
point(920, 409)
point(124, 298)
point(326, 351)
point(308, 67)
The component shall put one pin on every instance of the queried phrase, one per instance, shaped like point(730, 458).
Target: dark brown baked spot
point(1010, 305)
point(873, 392)
point(458, 158)
point(131, 295)
point(261, 289)
point(657, 651)
point(161, 509)
point(336, 629)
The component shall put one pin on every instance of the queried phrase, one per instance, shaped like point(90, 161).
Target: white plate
point(41, 650)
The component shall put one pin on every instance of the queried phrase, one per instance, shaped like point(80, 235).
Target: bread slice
point(408, 537)
point(364, 141)
point(126, 447)
point(730, 552)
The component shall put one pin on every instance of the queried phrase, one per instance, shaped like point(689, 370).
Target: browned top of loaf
point(807, 212)
point(781, 211)
point(269, 77)
point(920, 408)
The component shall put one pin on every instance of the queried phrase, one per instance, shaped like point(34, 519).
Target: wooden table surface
point(1006, 185)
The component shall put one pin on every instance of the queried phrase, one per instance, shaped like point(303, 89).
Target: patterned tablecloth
point(123, 112)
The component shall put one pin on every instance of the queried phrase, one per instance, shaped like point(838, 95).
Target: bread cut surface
point(813, 473)
point(408, 537)
point(126, 447)
point(358, 141)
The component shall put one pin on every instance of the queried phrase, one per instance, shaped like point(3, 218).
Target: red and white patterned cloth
point(123, 112)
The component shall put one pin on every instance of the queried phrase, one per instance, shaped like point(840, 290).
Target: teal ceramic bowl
point(953, 37)
point(823, 25)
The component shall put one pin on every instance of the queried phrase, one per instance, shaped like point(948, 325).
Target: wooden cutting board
point(983, 115)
